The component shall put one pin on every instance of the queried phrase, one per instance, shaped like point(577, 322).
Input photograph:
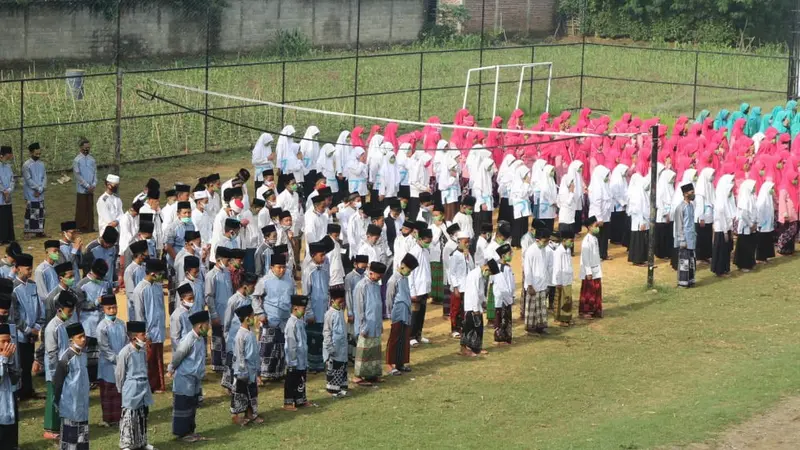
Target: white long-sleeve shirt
point(474, 291)
point(316, 227)
point(109, 209)
point(480, 251)
point(401, 247)
point(465, 223)
point(128, 228)
point(459, 265)
point(419, 282)
point(335, 264)
point(290, 201)
point(562, 267)
point(590, 258)
point(535, 271)
point(503, 286)
point(202, 223)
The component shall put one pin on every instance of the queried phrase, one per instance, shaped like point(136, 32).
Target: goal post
point(522, 67)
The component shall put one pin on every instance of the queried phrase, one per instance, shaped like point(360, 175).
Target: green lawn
point(667, 368)
point(47, 101)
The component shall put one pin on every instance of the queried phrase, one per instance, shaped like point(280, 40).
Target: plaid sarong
point(273, 361)
point(74, 435)
point(368, 358)
point(34, 217)
point(184, 410)
point(336, 376)
point(244, 395)
point(111, 403)
point(314, 338)
point(133, 428)
point(437, 282)
point(535, 310)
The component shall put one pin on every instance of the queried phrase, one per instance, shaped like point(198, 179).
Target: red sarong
point(110, 401)
point(591, 300)
point(155, 366)
point(456, 311)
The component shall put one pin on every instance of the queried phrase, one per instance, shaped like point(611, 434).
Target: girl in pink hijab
point(788, 201)
point(390, 135)
point(376, 129)
point(355, 137)
point(494, 141)
point(458, 135)
point(621, 126)
point(583, 120)
point(431, 135)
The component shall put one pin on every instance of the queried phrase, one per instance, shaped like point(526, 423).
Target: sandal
point(257, 420)
point(191, 439)
point(363, 383)
point(395, 373)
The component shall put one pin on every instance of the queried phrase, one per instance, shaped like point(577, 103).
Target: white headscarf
point(262, 149)
point(705, 186)
point(599, 190)
point(618, 185)
point(665, 189)
point(724, 206)
point(546, 183)
point(374, 156)
point(352, 168)
point(343, 150)
point(328, 163)
point(284, 147)
point(765, 203)
point(564, 196)
point(390, 175)
point(578, 178)
point(310, 149)
point(746, 202)
point(639, 195)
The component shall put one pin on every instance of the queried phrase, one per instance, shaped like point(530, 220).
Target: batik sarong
point(335, 376)
point(686, 267)
point(244, 396)
point(294, 387)
point(563, 303)
point(217, 349)
point(472, 334)
point(314, 338)
point(502, 324)
point(368, 358)
point(591, 297)
point(273, 360)
point(133, 428)
point(34, 217)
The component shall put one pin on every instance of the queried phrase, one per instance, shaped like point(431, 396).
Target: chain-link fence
point(79, 68)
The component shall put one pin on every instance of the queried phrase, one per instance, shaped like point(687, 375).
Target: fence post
point(283, 93)
point(419, 110)
point(21, 124)
point(208, 63)
point(480, 60)
point(533, 60)
point(583, 58)
point(651, 241)
point(694, 95)
point(355, 74)
point(118, 109)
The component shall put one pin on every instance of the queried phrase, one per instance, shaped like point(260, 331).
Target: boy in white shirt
point(562, 277)
point(503, 287)
point(591, 299)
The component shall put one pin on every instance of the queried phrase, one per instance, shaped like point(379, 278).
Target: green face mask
point(468, 211)
point(293, 188)
point(69, 281)
point(486, 274)
point(299, 314)
point(541, 244)
point(404, 205)
point(568, 244)
point(186, 219)
point(203, 332)
point(424, 244)
point(595, 231)
point(65, 317)
point(507, 257)
point(53, 256)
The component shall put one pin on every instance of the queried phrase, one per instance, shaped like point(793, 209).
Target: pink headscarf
point(355, 137)
point(495, 142)
point(390, 135)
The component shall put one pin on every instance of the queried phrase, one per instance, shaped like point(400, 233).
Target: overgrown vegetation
point(742, 23)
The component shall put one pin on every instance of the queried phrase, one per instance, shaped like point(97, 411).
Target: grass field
point(665, 368)
point(46, 102)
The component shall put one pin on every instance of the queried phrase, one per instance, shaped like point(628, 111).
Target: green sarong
point(490, 304)
point(52, 421)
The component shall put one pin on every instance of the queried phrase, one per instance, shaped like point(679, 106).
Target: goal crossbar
point(522, 68)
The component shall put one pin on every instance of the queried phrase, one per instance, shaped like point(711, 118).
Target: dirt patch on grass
point(777, 429)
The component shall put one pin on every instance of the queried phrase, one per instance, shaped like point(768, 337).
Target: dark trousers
point(412, 210)
point(418, 316)
point(26, 357)
point(84, 212)
point(602, 239)
point(9, 434)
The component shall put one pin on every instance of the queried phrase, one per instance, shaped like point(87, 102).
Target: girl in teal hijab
point(753, 122)
point(791, 109)
point(744, 109)
point(766, 122)
point(795, 126)
point(722, 119)
point(780, 122)
point(702, 116)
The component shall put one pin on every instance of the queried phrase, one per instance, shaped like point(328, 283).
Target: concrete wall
point(537, 17)
point(44, 32)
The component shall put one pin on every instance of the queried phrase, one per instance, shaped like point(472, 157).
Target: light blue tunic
point(111, 339)
point(350, 282)
point(46, 280)
point(398, 295)
point(296, 347)
point(277, 300)
point(248, 362)
point(368, 309)
point(35, 180)
point(84, 168)
point(179, 325)
point(6, 183)
point(175, 236)
point(6, 392)
point(218, 289)
point(231, 322)
point(56, 342)
point(334, 336)
point(189, 365)
point(30, 310)
point(134, 274)
point(316, 282)
point(73, 403)
point(91, 312)
point(131, 377)
point(5, 270)
point(148, 306)
point(96, 251)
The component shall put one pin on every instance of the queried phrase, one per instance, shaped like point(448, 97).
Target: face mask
point(507, 258)
point(111, 318)
point(595, 231)
point(403, 205)
point(361, 271)
point(187, 305)
point(293, 188)
point(772, 192)
point(299, 314)
point(53, 256)
point(203, 333)
point(286, 227)
point(272, 241)
point(3, 318)
point(468, 211)
point(425, 244)
point(486, 274)
point(691, 197)
point(568, 244)
point(234, 235)
point(357, 205)
point(552, 245)
point(65, 317)
point(35, 158)
point(391, 160)
point(186, 220)
point(438, 219)
point(115, 189)
point(140, 343)
point(541, 244)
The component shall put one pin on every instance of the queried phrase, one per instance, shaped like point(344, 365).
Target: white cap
point(111, 178)
point(462, 235)
point(199, 195)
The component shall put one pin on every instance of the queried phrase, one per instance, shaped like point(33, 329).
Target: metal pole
point(496, 84)
point(694, 94)
point(208, 63)
point(480, 59)
point(118, 118)
point(651, 244)
point(283, 93)
point(583, 59)
point(358, 48)
point(533, 60)
point(419, 110)
point(21, 124)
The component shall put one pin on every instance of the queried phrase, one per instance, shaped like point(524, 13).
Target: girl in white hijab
point(601, 205)
point(449, 185)
point(664, 193)
point(548, 195)
point(343, 150)
point(328, 164)
point(284, 152)
point(389, 174)
point(505, 179)
point(374, 159)
point(576, 169)
point(536, 174)
point(765, 212)
point(639, 211)
point(520, 193)
point(724, 213)
point(482, 184)
point(618, 185)
point(402, 162)
point(704, 213)
point(356, 172)
point(263, 158)
point(566, 203)
point(746, 226)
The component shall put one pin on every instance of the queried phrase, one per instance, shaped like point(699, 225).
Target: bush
point(291, 44)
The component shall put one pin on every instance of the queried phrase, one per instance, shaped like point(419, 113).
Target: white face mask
point(140, 343)
point(187, 305)
point(357, 205)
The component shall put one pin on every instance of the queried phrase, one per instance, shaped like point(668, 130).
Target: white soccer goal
point(522, 68)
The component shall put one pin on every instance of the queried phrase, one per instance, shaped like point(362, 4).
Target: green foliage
point(446, 28)
point(291, 44)
point(721, 22)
